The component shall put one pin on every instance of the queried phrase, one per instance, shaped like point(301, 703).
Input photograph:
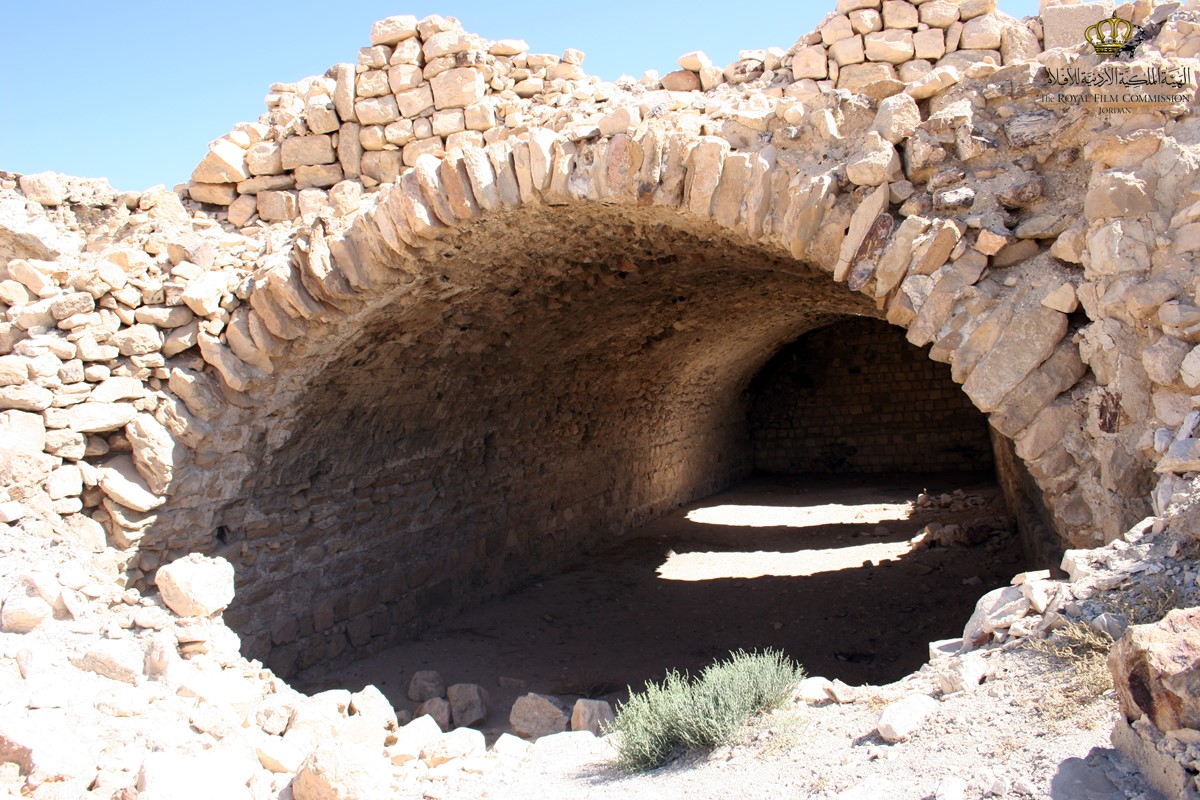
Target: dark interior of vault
point(511, 476)
point(808, 551)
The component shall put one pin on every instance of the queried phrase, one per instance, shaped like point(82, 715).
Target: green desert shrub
point(681, 714)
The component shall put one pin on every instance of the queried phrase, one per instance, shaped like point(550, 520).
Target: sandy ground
point(1002, 740)
point(821, 569)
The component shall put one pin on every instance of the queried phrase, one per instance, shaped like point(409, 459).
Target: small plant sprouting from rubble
point(681, 714)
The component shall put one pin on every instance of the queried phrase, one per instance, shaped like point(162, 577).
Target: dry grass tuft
point(1078, 670)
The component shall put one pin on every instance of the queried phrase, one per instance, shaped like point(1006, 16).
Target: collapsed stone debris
point(174, 367)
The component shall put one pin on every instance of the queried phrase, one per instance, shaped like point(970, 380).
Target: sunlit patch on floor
point(711, 566)
point(719, 565)
point(747, 516)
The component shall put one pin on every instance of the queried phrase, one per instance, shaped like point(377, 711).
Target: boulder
point(195, 585)
point(341, 771)
point(536, 715)
point(23, 611)
point(875, 162)
point(412, 738)
point(121, 481)
point(1156, 671)
point(468, 704)
point(43, 187)
point(371, 704)
point(426, 684)
point(814, 690)
point(595, 716)
point(459, 743)
point(155, 451)
point(437, 708)
point(903, 718)
point(997, 609)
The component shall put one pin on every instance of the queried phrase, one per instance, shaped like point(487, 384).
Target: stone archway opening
point(550, 380)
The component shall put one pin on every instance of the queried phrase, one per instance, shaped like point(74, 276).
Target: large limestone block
point(137, 340)
point(377, 110)
point(897, 118)
point(1117, 194)
point(339, 770)
point(118, 659)
point(899, 14)
point(394, 30)
point(265, 158)
point(893, 47)
point(536, 715)
point(203, 295)
point(459, 743)
point(310, 150)
point(438, 709)
point(121, 481)
point(938, 13)
point(1156, 671)
point(981, 33)
point(155, 451)
point(458, 88)
point(929, 44)
point(1064, 25)
point(836, 29)
point(875, 162)
point(810, 62)
point(92, 417)
point(45, 188)
point(26, 397)
point(278, 206)
point(196, 585)
point(225, 163)
point(962, 673)
point(873, 78)
point(1029, 339)
point(848, 51)
point(216, 194)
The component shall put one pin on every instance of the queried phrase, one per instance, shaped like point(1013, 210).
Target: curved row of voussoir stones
point(429, 80)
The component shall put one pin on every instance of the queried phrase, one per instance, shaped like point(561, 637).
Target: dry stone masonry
point(446, 316)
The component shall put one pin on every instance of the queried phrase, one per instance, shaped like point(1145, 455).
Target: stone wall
point(857, 398)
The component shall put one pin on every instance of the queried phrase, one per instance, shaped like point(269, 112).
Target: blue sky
point(134, 90)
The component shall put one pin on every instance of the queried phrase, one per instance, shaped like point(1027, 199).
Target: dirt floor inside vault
point(821, 568)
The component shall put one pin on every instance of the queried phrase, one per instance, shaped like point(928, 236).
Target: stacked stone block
point(856, 398)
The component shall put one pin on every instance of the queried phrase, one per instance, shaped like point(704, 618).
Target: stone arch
point(823, 245)
point(951, 203)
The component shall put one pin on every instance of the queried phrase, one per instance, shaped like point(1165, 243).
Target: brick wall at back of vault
point(857, 397)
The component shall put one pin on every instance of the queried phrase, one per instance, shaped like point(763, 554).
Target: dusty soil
point(1008, 738)
point(819, 568)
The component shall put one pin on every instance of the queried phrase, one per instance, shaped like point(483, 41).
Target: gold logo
point(1108, 36)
